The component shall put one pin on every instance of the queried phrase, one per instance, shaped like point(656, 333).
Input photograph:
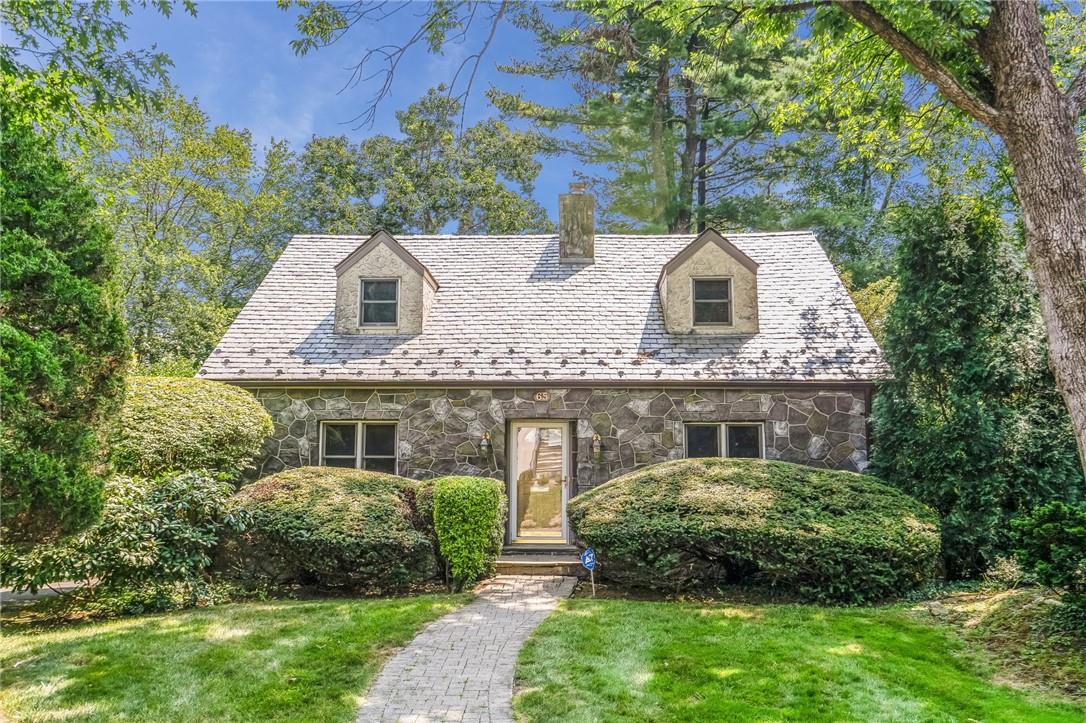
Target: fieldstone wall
point(439, 430)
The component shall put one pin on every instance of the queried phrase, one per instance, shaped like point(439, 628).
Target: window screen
point(703, 440)
point(712, 301)
point(379, 302)
point(339, 445)
point(744, 440)
point(379, 452)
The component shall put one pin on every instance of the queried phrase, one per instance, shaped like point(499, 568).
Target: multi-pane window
point(379, 302)
point(736, 440)
point(713, 301)
point(363, 445)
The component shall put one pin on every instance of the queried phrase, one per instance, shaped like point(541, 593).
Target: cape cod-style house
point(553, 362)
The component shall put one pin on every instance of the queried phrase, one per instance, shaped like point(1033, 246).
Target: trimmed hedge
point(173, 423)
point(338, 528)
point(468, 520)
point(822, 534)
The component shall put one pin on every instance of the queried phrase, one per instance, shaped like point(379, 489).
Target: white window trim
point(360, 441)
point(362, 303)
point(730, 300)
point(722, 437)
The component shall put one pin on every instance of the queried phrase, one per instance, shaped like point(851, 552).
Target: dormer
point(710, 287)
point(382, 289)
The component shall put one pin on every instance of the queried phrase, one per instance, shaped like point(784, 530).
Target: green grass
point(281, 660)
point(620, 660)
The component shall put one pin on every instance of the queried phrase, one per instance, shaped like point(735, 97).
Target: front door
point(539, 472)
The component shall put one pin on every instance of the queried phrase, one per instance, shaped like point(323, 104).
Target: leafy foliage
point(62, 341)
point(338, 528)
point(1051, 543)
point(469, 519)
point(873, 301)
point(970, 422)
point(826, 535)
point(434, 175)
point(171, 424)
point(335, 188)
point(152, 532)
point(200, 215)
point(63, 66)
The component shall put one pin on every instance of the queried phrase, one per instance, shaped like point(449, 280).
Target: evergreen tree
point(62, 341)
point(971, 421)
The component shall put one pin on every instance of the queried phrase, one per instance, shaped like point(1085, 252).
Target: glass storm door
point(538, 482)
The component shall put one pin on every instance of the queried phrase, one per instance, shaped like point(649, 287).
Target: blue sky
point(236, 58)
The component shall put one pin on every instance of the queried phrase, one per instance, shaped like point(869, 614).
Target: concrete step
point(541, 548)
point(539, 564)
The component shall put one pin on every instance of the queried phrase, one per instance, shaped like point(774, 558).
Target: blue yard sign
point(588, 559)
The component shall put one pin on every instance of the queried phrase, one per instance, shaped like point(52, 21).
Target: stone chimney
point(576, 226)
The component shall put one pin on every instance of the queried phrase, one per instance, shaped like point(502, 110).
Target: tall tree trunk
point(660, 176)
point(703, 172)
point(684, 218)
point(1037, 124)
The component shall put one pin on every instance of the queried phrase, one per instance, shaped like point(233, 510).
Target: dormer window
point(380, 302)
point(382, 289)
point(710, 287)
point(712, 302)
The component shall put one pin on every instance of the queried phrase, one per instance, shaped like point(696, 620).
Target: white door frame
point(511, 473)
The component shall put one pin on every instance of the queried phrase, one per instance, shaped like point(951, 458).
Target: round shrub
point(469, 515)
point(337, 528)
point(173, 423)
point(1051, 542)
point(824, 535)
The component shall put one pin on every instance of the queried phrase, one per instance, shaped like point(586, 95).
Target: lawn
point(281, 660)
point(621, 660)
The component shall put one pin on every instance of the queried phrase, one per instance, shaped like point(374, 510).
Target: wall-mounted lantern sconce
point(485, 445)
point(597, 445)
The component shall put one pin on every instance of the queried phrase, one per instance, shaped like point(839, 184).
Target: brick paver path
point(460, 667)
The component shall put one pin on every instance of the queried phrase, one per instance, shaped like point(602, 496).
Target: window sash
point(722, 437)
point(716, 429)
point(364, 302)
point(704, 283)
point(360, 456)
point(707, 303)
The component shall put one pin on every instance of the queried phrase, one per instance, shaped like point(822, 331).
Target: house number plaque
point(542, 396)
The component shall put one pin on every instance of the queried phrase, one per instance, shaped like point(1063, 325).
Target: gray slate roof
point(508, 312)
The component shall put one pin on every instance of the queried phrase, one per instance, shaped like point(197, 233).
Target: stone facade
point(439, 429)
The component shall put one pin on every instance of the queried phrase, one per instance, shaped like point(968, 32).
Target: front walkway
point(460, 667)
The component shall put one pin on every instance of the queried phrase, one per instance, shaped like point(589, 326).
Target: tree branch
point(1076, 94)
point(928, 67)
point(797, 7)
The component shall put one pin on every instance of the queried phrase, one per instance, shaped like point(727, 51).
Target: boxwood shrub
point(1051, 544)
point(336, 528)
point(468, 519)
point(173, 423)
point(825, 535)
